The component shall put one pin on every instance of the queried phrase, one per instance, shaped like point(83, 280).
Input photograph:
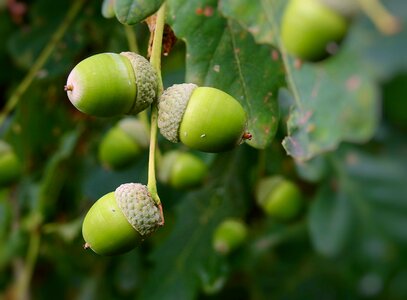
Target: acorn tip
point(68, 87)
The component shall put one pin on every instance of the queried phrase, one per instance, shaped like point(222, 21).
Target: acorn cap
point(136, 130)
point(139, 208)
point(146, 81)
point(171, 108)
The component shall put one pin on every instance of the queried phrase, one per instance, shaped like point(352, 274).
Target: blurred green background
point(350, 241)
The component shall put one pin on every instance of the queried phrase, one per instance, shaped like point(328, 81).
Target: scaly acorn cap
point(171, 108)
point(146, 81)
point(139, 208)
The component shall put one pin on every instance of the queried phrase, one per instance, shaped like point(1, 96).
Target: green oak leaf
point(184, 254)
point(131, 12)
point(364, 197)
point(334, 101)
point(222, 54)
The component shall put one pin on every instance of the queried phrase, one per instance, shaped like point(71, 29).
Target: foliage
point(337, 128)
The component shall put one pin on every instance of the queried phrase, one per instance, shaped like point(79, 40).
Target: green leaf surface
point(131, 12)
point(183, 255)
point(335, 101)
point(365, 197)
point(221, 54)
point(381, 55)
point(258, 17)
point(54, 179)
point(330, 221)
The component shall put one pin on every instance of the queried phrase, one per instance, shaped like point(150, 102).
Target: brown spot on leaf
point(353, 83)
point(298, 63)
point(275, 55)
point(332, 48)
point(352, 159)
point(208, 11)
point(305, 117)
point(311, 127)
point(267, 97)
point(17, 10)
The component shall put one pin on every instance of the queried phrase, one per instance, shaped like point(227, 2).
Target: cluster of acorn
point(202, 118)
point(278, 197)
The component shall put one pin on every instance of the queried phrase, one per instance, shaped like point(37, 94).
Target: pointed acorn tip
point(86, 246)
point(68, 87)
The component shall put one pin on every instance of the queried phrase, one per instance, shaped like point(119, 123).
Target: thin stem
point(155, 61)
point(131, 39)
point(286, 61)
point(41, 60)
point(380, 16)
point(30, 261)
point(155, 58)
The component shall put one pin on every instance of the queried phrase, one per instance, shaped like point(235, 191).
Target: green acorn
point(279, 198)
point(310, 27)
point(202, 118)
point(229, 235)
point(119, 220)
point(10, 166)
point(123, 143)
point(181, 170)
point(110, 84)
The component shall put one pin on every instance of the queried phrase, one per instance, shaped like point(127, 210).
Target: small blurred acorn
point(229, 235)
point(182, 170)
point(279, 198)
point(123, 143)
point(10, 166)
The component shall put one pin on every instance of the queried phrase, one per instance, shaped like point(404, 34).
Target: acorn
point(279, 198)
point(110, 84)
point(229, 235)
point(311, 29)
point(202, 118)
point(10, 166)
point(123, 143)
point(119, 220)
point(182, 170)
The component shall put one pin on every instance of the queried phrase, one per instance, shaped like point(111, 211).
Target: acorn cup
point(119, 220)
point(10, 166)
point(123, 143)
point(229, 235)
point(181, 170)
point(311, 29)
point(110, 84)
point(202, 118)
point(279, 198)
